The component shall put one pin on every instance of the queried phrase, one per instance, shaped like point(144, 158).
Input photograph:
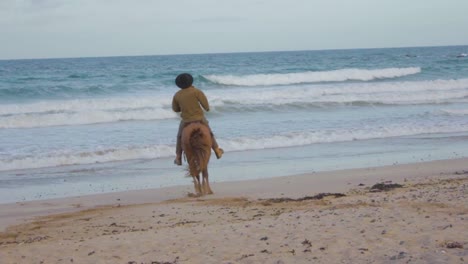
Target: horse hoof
point(193, 195)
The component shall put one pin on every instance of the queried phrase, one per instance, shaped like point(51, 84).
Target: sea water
point(90, 125)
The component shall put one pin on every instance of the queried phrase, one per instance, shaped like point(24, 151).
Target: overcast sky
point(88, 28)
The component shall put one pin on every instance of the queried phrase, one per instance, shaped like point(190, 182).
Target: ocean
point(81, 126)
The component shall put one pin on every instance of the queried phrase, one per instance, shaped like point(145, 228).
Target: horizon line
point(232, 52)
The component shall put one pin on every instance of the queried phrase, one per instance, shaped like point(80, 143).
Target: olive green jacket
point(189, 102)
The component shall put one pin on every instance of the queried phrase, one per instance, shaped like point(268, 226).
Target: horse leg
point(206, 183)
point(197, 185)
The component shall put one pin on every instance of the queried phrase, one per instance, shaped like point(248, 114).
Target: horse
point(196, 145)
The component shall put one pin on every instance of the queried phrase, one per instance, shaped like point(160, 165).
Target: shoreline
point(291, 186)
point(287, 219)
point(82, 180)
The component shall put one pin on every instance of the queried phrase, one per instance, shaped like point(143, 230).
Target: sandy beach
point(413, 213)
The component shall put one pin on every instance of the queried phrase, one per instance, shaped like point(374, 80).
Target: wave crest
point(98, 156)
point(312, 77)
point(84, 111)
point(417, 92)
point(290, 139)
point(455, 112)
point(108, 110)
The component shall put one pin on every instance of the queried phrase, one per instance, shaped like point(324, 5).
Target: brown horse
point(196, 144)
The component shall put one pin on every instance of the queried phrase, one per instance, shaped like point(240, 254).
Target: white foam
point(312, 77)
point(417, 92)
point(290, 139)
point(312, 137)
point(89, 111)
point(82, 118)
point(79, 105)
point(84, 111)
point(98, 156)
point(456, 112)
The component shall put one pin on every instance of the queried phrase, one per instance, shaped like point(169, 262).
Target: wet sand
point(328, 217)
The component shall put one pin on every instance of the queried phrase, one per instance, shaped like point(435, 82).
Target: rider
point(189, 101)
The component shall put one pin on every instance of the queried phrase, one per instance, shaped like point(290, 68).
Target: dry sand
point(278, 220)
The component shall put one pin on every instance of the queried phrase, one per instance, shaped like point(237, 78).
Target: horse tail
point(200, 144)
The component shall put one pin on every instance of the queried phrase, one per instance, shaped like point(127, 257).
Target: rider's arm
point(175, 105)
point(203, 101)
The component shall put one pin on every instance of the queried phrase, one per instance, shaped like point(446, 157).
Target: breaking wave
point(456, 112)
point(397, 93)
point(91, 111)
point(290, 139)
point(84, 111)
point(312, 77)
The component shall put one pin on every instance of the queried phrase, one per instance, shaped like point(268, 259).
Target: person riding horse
point(189, 101)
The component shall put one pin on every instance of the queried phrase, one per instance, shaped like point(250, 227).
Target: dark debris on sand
point(315, 197)
point(156, 262)
point(384, 187)
point(453, 245)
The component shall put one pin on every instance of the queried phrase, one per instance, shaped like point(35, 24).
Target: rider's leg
point(178, 159)
point(214, 145)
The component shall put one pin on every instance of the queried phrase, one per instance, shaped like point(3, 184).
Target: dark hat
point(184, 80)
